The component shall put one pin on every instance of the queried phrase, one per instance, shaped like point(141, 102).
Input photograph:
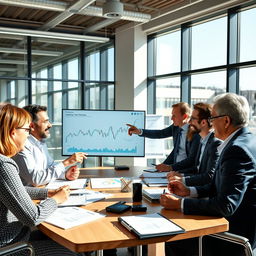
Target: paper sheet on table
point(83, 197)
point(68, 217)
point(106, 183)
point(74, 184)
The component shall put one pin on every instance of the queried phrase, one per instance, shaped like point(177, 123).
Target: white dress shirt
point(182, 154)
point(36, 165)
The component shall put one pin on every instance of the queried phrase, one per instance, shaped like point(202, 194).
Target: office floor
point(121, 252)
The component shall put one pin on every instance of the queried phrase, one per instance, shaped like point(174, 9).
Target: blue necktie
point(177, 144)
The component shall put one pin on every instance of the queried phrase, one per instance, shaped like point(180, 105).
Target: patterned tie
point(198, 162)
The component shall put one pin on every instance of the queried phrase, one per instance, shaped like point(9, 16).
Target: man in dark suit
point(232, 192)
point(185, 149)
point(202, 172)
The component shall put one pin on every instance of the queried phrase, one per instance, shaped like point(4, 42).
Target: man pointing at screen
point(35, 164)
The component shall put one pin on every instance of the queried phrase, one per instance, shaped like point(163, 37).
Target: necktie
point(198, 155)
point(177, 145)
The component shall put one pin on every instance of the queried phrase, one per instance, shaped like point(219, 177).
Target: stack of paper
point(83, 197)
point(74, 184)
point(155, 182)
point(69, 217)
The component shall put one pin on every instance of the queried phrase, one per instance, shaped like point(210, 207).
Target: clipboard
point(150, 225)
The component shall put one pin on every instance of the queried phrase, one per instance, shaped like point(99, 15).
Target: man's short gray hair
point(233, 105)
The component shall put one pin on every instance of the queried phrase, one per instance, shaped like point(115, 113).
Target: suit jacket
point(173, 131)
point(195, 176)
point(232, 192)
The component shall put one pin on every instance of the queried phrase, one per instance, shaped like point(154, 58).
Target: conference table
point(108, 233)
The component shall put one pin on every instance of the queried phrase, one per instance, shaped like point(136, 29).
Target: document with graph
point(106, 182)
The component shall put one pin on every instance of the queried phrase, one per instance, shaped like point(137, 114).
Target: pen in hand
point(164, 192)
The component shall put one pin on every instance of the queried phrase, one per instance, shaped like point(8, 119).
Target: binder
point(150, 225)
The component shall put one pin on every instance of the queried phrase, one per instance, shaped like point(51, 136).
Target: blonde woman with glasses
point(18, 213)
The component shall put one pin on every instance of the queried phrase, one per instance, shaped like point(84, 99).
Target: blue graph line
point(100, 132)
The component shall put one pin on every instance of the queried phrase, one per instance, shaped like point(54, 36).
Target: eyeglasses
point(211, 118)
point(193, 118)
point(25, 128)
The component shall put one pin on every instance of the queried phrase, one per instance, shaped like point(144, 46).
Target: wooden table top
point(107, 232)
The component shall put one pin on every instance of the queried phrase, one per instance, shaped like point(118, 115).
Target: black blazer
point(203, 175)
point(172, 131)
point(232, 192)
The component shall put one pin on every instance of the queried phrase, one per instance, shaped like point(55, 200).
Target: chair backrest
point(17, 247)
point(233, 238)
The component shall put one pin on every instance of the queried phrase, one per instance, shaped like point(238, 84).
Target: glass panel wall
point(168, 53)
point(247, 36)
point(167, 94)
point(204, 87)
point(13, 56)
point(205, 70)
point(56, 80)
point(209, 44)
point(248, 89)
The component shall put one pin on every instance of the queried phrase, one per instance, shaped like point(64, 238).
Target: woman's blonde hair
point(11, 117)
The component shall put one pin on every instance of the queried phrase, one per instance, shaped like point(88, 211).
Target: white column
point(131, 72)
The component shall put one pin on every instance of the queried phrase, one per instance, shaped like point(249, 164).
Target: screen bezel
point(104, 110)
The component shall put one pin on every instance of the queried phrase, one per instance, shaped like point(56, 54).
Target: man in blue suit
point(232, 192)
point(185, 149)
point(202, 172)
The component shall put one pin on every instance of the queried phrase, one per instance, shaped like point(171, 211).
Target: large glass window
point(13, 56)
point(13, 91)
point(248, 35)
point(56, 80)
point(167, 94)
point(248, 89)
point(209, 44)
point(92, 66)
point(204, 87)
point(168, 53)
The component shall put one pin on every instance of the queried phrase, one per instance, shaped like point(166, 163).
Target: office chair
point(240, 240)
point(17, 247)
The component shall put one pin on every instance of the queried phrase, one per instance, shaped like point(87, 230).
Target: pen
point(153, 164)
point(164, 192)
point(126, 225)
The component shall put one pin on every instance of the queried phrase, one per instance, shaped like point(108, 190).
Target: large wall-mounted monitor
point(102, 132)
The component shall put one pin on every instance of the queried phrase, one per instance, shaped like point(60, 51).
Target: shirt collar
point(184, 127)
point(205, 139)
point(226, 141)
point(34, 140)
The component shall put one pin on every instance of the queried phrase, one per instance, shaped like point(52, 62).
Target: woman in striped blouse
point(18, 213)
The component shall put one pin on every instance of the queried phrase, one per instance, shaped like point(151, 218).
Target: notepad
point(150, 225)
point(68, 217)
